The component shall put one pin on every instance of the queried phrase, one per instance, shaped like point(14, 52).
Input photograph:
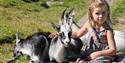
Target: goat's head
point(64, 29)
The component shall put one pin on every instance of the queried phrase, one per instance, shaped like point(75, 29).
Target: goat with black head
point(63, 45)
point(34, 46)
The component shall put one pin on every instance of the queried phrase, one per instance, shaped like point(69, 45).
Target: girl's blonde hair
point(99, 3)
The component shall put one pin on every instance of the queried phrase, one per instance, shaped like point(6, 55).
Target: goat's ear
point(56, 27)
point(17, 38)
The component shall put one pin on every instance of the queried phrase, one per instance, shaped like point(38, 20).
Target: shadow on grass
point(7, 39)
point(29, 1)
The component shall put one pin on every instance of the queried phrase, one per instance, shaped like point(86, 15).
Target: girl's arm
point(80, 32)
point(108, 52)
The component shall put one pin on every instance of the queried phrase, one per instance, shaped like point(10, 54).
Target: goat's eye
point(63, 35)
point(69, 34)
point(69, 18)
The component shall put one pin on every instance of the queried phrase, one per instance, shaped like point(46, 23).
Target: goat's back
point(36, 44)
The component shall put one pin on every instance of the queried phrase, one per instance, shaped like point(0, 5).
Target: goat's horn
point(71, 10)
point(62, 17)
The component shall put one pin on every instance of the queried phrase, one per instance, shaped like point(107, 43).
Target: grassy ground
point(26, 18)
point(118, 15)
point(29, 17)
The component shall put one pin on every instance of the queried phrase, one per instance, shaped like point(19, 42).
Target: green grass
point(29, 17)
point(118, 15)
point(118, 10)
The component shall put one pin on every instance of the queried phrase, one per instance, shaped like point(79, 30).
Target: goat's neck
point(61, 46)
point(61, 51)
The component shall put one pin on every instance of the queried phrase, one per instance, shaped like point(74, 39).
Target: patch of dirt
point(119, 24)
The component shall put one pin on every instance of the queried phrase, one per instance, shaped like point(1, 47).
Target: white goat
point(64, 46)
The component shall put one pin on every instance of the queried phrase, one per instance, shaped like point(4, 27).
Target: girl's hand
point(94, 55)
point(53, 34)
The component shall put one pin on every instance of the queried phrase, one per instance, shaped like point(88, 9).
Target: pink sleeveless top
point(96, 40)
point(100, 39)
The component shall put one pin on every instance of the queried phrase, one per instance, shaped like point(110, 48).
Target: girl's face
point(100, 14)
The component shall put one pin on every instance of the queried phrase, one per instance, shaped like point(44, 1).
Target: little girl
point(100, 39)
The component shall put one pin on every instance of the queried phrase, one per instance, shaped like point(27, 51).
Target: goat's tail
point(45, 52)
